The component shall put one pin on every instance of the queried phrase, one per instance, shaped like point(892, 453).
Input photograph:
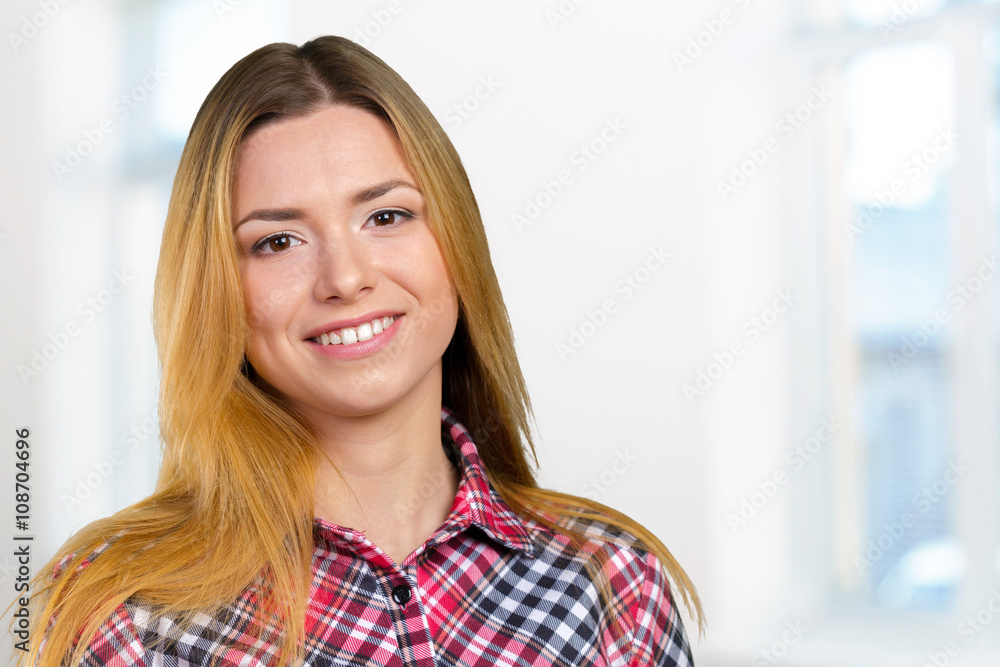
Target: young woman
point(345, 478)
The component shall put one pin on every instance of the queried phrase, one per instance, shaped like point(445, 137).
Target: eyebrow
point(360, 197)
point(376, 191)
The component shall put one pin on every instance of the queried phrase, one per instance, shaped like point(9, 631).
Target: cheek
point(261, 303)
point(436, 277)
point(442, 300)
point(270, 297)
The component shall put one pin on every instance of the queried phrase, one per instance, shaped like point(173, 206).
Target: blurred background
point(748, 248)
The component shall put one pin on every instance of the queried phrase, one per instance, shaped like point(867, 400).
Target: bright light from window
point(204, 39)
point(899, 101)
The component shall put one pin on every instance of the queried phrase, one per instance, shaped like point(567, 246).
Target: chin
point(361, 404)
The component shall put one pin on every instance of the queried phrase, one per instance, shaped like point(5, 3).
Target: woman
point(345, 425)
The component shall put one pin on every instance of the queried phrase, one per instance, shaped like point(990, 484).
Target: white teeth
point(350, 335)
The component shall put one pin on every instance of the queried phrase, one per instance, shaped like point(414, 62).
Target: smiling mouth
point(351, 335)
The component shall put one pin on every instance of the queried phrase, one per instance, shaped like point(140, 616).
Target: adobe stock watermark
point(598, 485)
point(414, 325)
point(751, 331)
point(914, 167)
point(796, 460)
point(32, 24)
point(900, 14)
point(7, 570)
point(427, 490)
point(779, 648)
point(968, 629)
point(928, 329)
point(102, 470)
point(581, 158)
point(87, 310)
point(302, 272)
point(786, 127)
point(482, 432)
point(711, 30)
point(223, 7)
point(627, 286)
point(562, 12)
point(922, 501)
point(121, 108)
point(380, 20)
point(462, 111)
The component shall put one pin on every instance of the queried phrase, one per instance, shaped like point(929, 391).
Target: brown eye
point(279, 243)
point(384, 218)
point(276, 243)
point(389, 217)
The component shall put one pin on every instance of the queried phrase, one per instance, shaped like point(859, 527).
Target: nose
point(345, 270)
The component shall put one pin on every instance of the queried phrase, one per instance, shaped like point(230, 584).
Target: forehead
point(335, 150)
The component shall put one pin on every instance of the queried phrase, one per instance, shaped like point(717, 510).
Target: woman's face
point(348, 297)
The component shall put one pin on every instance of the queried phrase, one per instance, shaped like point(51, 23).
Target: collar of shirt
point(476, 503)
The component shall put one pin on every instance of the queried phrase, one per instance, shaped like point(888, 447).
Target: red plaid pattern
point(488, 588)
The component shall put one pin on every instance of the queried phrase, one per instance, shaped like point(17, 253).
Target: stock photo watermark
point(22, 543)
point(751, 332)
point(711, 30)
point(900, 13)
point(597, 485)
point(224, 7)
point(627, 286)
point(562, 12)
point(384, 362)
point(922, 502)
point(34, 22)
point(786, 126)
point(968, 629)
point(85, 486)
point(462, 111)
point(380, 20)
point(914, 167)
point(121, 108)
point(581, 158)
point(796, 459)
point(927, 330)
point(87, 310)
point(779, 648)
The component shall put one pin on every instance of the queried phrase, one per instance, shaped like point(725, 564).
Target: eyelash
point(402, 213)
point(257, 247)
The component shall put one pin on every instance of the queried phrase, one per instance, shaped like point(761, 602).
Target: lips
point(348, 335)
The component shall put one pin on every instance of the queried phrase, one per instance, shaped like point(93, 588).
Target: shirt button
point(401, 594)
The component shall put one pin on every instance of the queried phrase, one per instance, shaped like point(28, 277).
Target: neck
point(387, 474)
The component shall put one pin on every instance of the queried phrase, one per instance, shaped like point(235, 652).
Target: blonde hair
point(220, 483)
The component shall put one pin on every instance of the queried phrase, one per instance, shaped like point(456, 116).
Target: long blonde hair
point(220, 482)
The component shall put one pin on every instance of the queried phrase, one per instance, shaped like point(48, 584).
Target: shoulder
point(598, 534)
point(596, 547)
point(89, 556)
point(639, 582)
point(116, 642)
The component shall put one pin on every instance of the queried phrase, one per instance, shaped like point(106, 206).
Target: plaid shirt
point(488, 588)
